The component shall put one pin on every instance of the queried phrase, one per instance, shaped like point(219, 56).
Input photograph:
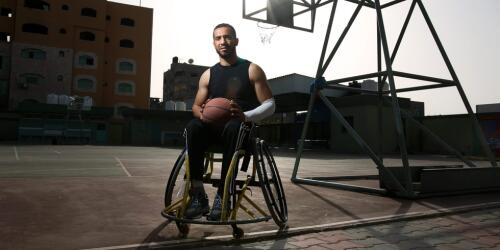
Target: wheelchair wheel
point(175, 188)
point(176, 180)
point(271, 184)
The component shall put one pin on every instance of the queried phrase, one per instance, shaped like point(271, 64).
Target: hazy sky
point(469, 31)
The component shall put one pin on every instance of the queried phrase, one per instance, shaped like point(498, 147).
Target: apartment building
point(89, 48)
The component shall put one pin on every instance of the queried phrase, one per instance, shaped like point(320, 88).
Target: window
point(27, 79)
point(61, 53)
point(85, 83)
point(1, 62)
point(86, 60)
point(6, 12)
point(89, 12)
point(5, 37)
point(37, 4)
point(62, 31)
point(127, 22)
point(106, 39)
point(126, 43)
point(125, 88)
point(119, 108)
point(60, 78)
point(108, 17)
point(126, 66)
point(87, 36)
point(35, 28)
point(34, 54)
point(65, 7)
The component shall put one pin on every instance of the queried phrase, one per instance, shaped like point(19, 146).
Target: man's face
point(224, 42)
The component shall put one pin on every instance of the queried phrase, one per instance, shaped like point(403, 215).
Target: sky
point(468, 30)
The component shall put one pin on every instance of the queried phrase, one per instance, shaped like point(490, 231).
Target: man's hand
point(202, 107)
point(236, 111)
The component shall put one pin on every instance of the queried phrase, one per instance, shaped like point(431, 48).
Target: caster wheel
point(238, 233)
point(183, 229)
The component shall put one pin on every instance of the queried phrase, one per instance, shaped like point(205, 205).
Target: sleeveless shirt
point(233, 82)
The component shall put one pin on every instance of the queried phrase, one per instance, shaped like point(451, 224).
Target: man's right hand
point(202, 107)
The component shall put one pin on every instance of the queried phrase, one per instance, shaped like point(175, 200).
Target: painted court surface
point(80, 197)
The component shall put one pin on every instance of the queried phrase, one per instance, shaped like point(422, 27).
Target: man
point(245, 84)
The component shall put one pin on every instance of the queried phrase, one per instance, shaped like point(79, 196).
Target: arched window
point(125, 66)
point(33, 54)
point(119, 108)
point(89, 12)
point(125, 88)
point(127, 22)
point(62, 31)
point(85, 83)
point(35, 28)
point(65, 7)
point(87, 36)
point(37, 4)
point(27, 79)
point(126, 43)
point(86, 60)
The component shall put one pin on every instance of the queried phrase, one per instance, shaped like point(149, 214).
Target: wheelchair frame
point(264, 167)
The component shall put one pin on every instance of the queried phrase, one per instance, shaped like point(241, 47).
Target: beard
point(227, 54)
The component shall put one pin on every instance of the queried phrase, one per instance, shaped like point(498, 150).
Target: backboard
point(292, 14)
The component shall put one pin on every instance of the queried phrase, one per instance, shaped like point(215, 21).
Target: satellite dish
point(190, 61)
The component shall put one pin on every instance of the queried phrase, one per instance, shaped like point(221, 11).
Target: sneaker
point(216, 211)
point(198, 206)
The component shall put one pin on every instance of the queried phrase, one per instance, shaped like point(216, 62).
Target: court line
point(123, 166)
point(15, 153)
point(57, 152)
point(274, 234)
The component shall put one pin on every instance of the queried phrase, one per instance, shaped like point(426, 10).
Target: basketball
point(217, 111)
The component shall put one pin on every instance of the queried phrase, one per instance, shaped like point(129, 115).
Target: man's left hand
point(236, 111)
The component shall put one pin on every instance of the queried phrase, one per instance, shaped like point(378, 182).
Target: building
point(89, 48)
point(180, 83)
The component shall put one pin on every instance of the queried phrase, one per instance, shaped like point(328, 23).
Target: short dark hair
point(220, 25)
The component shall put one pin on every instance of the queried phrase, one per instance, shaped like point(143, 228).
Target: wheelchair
point(237, 206)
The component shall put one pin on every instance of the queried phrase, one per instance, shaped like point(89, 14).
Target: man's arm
point(259, 81)
point(263, 93)
point(202, 94)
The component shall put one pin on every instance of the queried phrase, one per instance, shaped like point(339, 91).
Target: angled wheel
point(176, 185)
point(271, 185)
point(176, 181)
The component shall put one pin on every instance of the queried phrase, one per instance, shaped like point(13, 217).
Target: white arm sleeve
point(264, 110)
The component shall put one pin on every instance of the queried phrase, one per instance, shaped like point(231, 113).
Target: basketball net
point(266, 32)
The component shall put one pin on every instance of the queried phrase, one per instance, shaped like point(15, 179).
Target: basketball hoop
point(266, 32)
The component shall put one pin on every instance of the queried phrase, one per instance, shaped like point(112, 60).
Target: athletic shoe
point(198, 206)
point(216, 211)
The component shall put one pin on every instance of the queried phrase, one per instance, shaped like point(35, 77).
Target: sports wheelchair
point(234, 198)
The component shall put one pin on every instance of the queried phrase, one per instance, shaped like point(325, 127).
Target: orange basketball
point(217, 111)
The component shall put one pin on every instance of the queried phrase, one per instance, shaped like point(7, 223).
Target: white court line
point(315, 228)
point(15, 153)
point(123, 166)
point(57, 152)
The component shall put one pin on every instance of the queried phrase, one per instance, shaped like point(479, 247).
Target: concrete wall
point(456, 130)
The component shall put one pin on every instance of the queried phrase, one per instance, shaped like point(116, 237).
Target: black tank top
point(232, 82)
